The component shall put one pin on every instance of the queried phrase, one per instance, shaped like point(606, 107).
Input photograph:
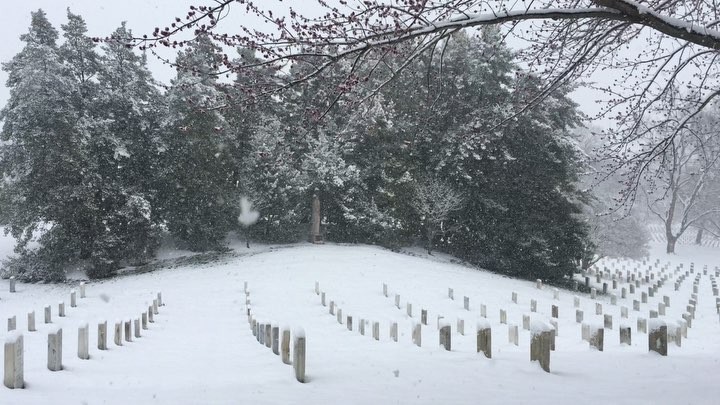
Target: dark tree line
point(99, 160)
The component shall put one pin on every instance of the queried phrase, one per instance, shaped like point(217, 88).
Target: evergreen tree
point(198, 197)
point(41, 154)
point(125, 154)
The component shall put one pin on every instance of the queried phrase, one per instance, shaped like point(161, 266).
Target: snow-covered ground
point(200, 350)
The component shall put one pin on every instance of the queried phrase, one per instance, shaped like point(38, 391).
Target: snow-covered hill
point(201, 350)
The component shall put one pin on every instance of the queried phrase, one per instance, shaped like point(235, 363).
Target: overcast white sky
point(142, 16)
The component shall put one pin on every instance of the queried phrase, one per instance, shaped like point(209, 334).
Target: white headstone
point(14, 364)
point(54, 362)
point(299, 344)
point(102, 336)
point(84, 341)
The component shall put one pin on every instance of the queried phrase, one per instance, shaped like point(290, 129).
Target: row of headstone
point(13, 360)
point(277, 338)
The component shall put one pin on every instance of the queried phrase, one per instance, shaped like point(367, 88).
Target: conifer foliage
point(99, 161)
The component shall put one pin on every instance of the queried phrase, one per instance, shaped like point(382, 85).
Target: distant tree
point(612, 232)
point(435, 201)
point(676, 194)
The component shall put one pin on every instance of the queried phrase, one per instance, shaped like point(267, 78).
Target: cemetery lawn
point(201, 350)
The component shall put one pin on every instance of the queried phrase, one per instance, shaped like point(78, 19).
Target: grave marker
point(484, 338)
point(299, 354)
point(54, 360)
point(14, 362)
point(84, 341)
point(102, 336)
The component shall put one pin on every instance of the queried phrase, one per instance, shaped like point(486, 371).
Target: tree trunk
point(698, 236)
point(671, 244)
point(430, 237)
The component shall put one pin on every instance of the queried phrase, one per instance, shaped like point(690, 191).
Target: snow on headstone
point(657, 336)
point(542, 335)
